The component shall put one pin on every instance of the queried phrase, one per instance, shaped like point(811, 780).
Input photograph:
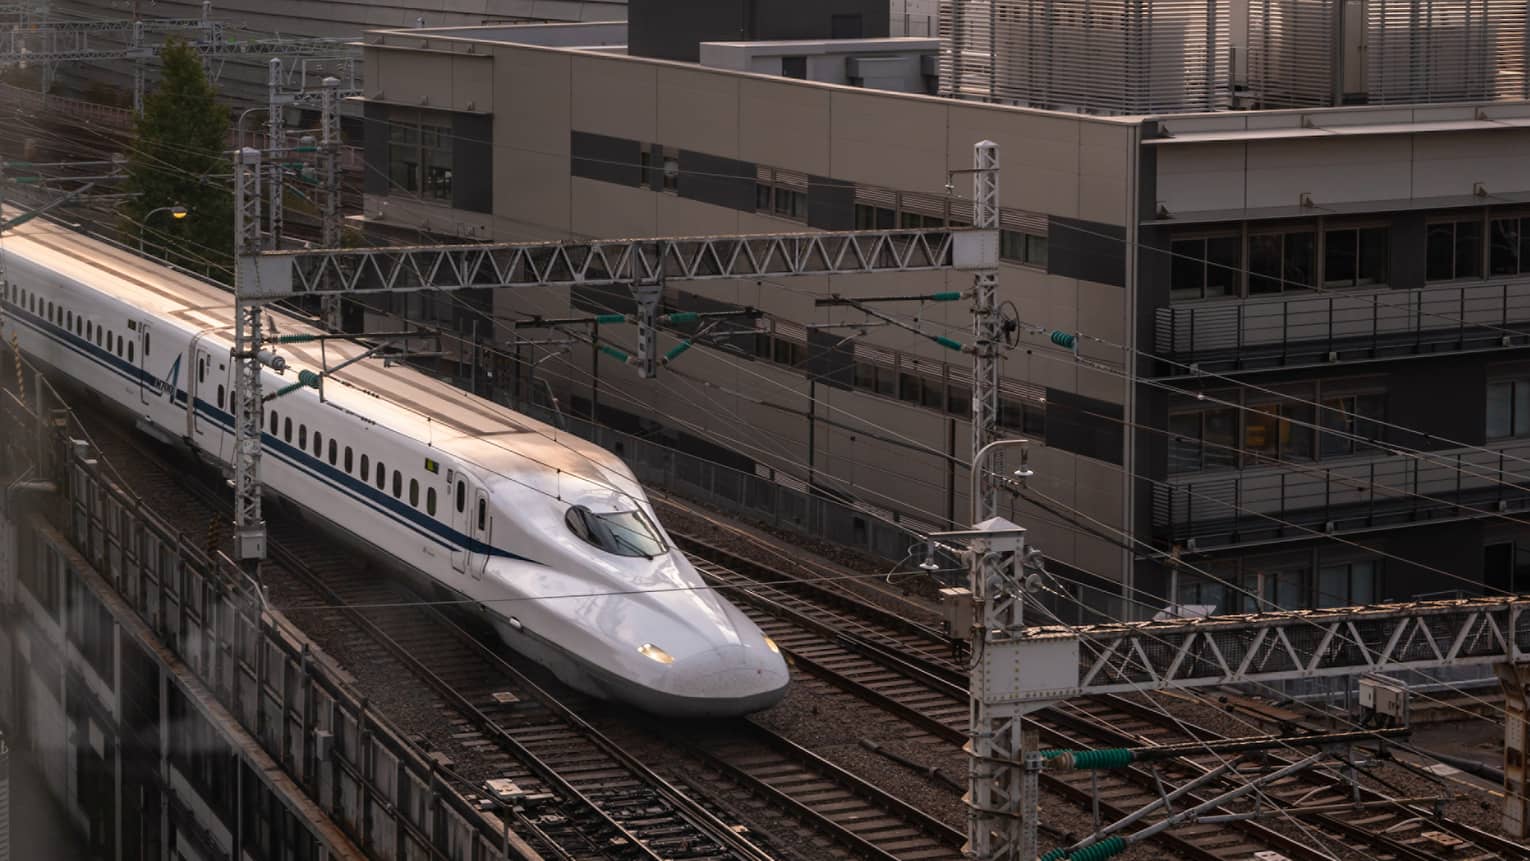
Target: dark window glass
point(958, 400)
point(1184, 442)
point(430, 501)
point(274, 421)
point(1012, 245)
point(347, 459)
point(483, 516)
point(1340, 257)
point(1187, 268)
point(130, 351)
point(1468, 249)
point(1504, 247)
point(461, 497)
point(287, 429)
point(794, 67)
point(318, 444)
point(1036, 250)
point(1300, 255)
point(302, 436)
point(909, 388)
point(220, 396)
point(1440, 253)
point(365, 468)
point(1221, 438)
point(414, 492)
point(146, 344)
point(1264, 264)
point(1296, 431)
point(762, 197)
point(398, 484)
point(333, 450)
point(1260, 435)
point(382, 476)
point(622, 533)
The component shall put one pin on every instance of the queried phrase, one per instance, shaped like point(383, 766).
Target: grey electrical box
point(1384, 697)
point(956, 601)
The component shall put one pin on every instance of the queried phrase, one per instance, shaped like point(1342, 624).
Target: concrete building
point(1363, 266)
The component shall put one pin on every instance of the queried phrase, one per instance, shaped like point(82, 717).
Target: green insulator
point(614, 353)
point(950, 296)
point(295, 339)
point(288, 389)
point(1054, 854)
point(1116, 757)
point(309, 379)
point(677, 350)
point(1063, 339)
point(610, 318)
point(1101, 850)
point(948, 343)
point(681, 317)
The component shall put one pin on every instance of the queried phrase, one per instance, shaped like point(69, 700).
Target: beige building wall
point(880, 449)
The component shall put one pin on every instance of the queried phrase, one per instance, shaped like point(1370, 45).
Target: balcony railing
point(1347, 325)
point(1384, 489)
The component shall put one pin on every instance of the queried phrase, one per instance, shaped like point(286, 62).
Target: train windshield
point(623, 533)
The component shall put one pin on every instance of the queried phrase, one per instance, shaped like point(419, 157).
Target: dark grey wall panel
point(1084, 426)
point(830, 359)
point(605, 158)
point(1409, 237)
point(674, 29)
point(375, 147)
point(1089, 250)
point(716, 180)
point(1443, 397)
point(473, 162)
point(831, 204)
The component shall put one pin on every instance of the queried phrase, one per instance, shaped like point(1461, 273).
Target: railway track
point(907, 668)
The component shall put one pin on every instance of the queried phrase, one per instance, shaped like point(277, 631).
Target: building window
point(1508, 408)
point(791, 204)
point(1273, 431)
point(1347, 417)
point(1018, 247)
point(794, 67)
point(1204, 267)
point(1348, 584)
point(1453, 250)
point(671, 165)
point(1206, 439)
point(1355, 256)
point(1509, 246)
point(420, 156)
point(1279, 262)
point(868, 217)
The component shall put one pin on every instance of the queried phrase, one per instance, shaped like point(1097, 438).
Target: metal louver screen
point(1446, 50)
point(1096, 56)
point(1291, 52)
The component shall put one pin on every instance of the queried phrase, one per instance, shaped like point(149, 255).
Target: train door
point(148, 384)
point(201, 383)
point(482, 523)
point(460, 520)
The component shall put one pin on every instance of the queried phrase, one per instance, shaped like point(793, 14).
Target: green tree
point(180, 158)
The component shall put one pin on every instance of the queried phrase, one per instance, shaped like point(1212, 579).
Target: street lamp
point(177, 212)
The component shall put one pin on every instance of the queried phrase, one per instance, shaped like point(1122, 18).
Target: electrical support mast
point(249, 527)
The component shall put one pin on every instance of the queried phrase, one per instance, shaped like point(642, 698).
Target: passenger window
point(430, 501)
point(79, 325)
point(365, 471)
point(333, 449)
point(414, 493)
point(220, 396)
point(130, 351)
point(274, 423)
point(382, 476)
point(398, 484)
point(110, 336)
point(119, 345)
point(482, 515)
point(347, 460)
point(146, 345)
point(461, 497)
point(287, 429)
point(318, 444)
point(302, 436)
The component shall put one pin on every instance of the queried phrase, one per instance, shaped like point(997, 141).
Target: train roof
point(398, 398)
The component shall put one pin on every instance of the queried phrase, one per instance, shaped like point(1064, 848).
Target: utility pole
point(276, 144)
point(987, 329)
point(329, 195)
point(249, 527)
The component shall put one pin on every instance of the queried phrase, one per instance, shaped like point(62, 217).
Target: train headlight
point(771, 644)
point(654, 653)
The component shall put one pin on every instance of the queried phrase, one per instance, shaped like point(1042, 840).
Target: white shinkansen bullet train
point(549, 536)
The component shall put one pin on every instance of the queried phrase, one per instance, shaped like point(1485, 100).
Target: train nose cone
point(728, 679)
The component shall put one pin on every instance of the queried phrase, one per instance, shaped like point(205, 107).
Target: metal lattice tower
point(249, 527)
point(276, 143)
point(987, 330)
point(330, 219)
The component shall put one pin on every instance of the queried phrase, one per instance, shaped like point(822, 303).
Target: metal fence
point(382, 790)
point(1224, 508)
point(1353, 325)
